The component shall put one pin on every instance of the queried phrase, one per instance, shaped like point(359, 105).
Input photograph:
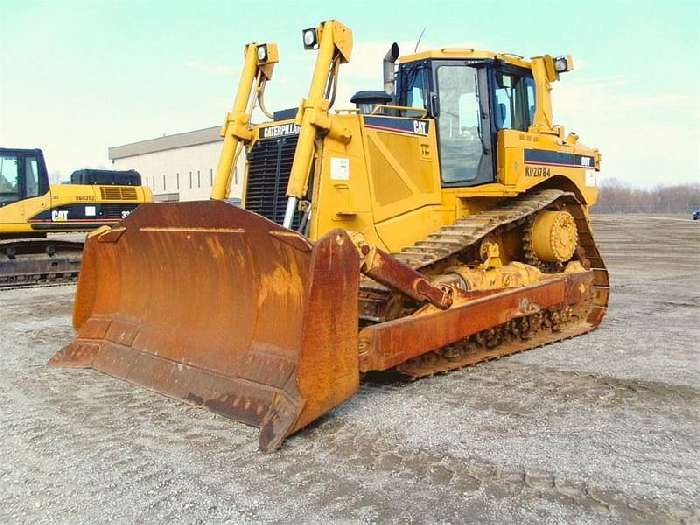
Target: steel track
point(469, 232)
point(38, 262)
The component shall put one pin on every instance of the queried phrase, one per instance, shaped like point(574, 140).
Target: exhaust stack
point(388, 64)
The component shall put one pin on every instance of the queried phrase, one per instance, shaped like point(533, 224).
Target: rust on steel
point(214, 305)
point(220, 307)
point(388, 271)
point(386, 345)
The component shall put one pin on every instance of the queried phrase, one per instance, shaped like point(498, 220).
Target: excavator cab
point(420, 232)
point(23, 175)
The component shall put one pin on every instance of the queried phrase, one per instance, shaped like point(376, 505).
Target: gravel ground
point(598, 429)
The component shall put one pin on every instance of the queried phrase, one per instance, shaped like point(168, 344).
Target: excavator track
point(529, 332)
point(38, 262)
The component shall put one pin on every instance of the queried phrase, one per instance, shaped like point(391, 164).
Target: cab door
point(461, 107)
point(513, 102)
point(23, 179)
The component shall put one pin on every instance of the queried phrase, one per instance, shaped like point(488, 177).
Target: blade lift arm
point(545, 70)
point(258, 65)
point(334, 48)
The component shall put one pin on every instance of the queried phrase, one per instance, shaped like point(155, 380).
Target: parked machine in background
point(31, 209)
point(441, 223)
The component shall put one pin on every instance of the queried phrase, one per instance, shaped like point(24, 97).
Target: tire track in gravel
point(514, 380)
point(126, 468)
point(460, 475)
point(528, 400)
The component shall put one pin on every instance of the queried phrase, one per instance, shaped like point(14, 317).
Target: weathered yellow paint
point(236, 129)
point(392, 192)
point(513, 275)
point(394, 197)
point(456, 53)
point(335, 46)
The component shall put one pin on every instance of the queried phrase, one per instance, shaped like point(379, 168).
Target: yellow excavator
point(441, 222)
point(32, 211)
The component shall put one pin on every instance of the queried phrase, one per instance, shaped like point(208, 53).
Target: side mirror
point(434, 104)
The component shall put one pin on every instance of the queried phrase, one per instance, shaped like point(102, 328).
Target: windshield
point(9, 179)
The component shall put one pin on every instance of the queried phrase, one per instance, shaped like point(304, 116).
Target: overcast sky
point(77, 77)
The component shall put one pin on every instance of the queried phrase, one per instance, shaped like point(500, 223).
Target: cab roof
point(465, 54)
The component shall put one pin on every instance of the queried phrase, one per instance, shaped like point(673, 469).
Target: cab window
point(514, 101)
point(414, 87)
point(31, 177)
point(530, 86)
point(9, 179)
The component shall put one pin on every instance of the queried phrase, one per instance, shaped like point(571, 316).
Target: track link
point(38, 262)
point(470, 231)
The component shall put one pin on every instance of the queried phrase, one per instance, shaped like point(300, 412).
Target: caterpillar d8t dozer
point(440, 223)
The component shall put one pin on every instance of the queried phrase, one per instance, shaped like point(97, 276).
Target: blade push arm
point(386, 270)
point(257, 70)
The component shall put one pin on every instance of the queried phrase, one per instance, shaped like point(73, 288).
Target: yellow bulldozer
point(441, 222)
point(32, 212)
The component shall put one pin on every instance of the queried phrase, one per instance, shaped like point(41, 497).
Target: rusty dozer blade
point(218, 306)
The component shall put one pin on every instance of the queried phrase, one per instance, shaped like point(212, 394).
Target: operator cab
point(22, 175)
point(471, 100)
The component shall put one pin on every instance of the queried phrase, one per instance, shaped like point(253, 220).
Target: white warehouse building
point(179, 167)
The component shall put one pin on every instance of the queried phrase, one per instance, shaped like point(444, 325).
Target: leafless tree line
point(618, 197)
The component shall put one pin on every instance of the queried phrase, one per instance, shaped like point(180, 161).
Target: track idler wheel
point(554, 236)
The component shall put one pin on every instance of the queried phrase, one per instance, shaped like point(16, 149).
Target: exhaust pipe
point(389, 60)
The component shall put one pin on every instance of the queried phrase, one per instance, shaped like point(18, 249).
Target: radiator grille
point(115, 211)
point(118, 193)
point(269, 164)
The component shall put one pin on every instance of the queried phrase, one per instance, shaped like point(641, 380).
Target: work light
point(310, 38)
point(262, 53)
point(561, 64)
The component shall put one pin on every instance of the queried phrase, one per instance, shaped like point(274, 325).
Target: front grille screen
point(116, 211)
point(269, 165)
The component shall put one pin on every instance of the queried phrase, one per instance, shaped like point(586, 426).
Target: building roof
point(166, 142)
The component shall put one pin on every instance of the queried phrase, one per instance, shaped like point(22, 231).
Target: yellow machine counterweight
point(439, 223)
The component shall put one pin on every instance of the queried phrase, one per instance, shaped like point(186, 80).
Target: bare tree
point(618, 197)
